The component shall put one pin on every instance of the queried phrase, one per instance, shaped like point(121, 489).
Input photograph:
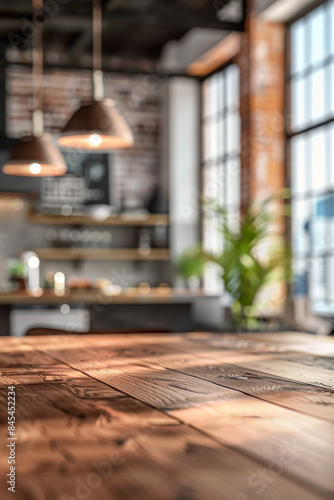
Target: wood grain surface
point(170, 417)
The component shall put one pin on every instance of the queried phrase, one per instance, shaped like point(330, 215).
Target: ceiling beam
point(217, 56)
point(120, 16)
point(173, 20)
point(145, 68)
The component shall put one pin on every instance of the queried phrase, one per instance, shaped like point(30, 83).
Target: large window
point(311, 133)
point(221, 153)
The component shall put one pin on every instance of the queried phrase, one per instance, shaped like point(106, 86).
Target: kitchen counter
point(98, 297)
point(158, 308)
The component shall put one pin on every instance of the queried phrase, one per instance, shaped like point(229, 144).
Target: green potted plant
point(190, 265)
point(253, 256)
point(17, 272)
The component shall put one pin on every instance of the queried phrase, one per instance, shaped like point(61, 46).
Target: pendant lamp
point(36, 155)
point(97, 124)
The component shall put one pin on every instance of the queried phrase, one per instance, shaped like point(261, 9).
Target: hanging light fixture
point(36, 155)
point(97, 124)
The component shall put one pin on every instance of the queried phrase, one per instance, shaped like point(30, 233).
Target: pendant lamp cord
point(97, 51)
point(37, 72)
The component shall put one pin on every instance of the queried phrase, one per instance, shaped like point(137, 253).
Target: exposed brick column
point(262, 65)
point(267, 102)
point(243, 61)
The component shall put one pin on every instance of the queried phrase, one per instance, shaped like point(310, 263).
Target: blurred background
point(228, 101)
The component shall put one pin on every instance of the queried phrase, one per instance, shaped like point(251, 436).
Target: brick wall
point(262, 106)
point(267, 89)
point(138, 97)
point(262, 64)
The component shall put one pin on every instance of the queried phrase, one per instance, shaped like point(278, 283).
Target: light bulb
point(95, 140)
point(33, 262)
point(59, 284)
point(59, 278)
point(35, 168)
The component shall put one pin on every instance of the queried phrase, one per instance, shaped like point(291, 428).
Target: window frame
point(226, 157)
point(222, 113)
point(323, 124)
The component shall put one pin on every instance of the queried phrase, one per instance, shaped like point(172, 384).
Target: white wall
point(178, 54)
point(282, 11)
point(184, 161)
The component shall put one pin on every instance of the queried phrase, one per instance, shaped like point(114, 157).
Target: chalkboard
point(88, 181)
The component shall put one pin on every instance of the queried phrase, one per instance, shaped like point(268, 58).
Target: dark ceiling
point(132, 29)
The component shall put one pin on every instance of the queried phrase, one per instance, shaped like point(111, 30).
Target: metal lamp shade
point(97, 125)
point(35, 157)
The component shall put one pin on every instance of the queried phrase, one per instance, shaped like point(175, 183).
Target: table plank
point(253, 427)
point(297, 367)
point(292, 394)
point(297, 396)
point(273, 342)
point(294, 341)
point(278, 359)
point(69, 424)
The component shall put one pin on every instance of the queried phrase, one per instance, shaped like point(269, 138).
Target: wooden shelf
point(87, 220)
point(101, 254)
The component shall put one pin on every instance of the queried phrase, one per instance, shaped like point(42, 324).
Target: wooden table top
point(170, 417)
